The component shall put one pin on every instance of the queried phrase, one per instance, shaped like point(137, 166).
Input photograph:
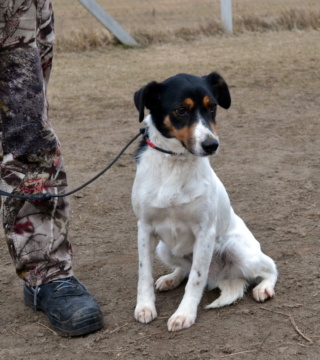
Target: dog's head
point(184, 107)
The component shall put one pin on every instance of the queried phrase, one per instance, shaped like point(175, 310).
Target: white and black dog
point(183, 208)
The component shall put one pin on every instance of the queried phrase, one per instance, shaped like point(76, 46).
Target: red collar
point(144, 131)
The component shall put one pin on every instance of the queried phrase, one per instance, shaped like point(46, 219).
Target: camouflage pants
point(31, 161)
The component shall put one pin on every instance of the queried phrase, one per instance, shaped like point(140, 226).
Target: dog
point(183, 210)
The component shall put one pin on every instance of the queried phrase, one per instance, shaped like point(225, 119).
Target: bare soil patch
point(269, 162)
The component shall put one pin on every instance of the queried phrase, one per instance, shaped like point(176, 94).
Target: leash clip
point(143, 130)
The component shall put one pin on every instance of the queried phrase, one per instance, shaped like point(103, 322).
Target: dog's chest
point(177, 226)
point(173, 202)
point(175, 190)
point(175, 195)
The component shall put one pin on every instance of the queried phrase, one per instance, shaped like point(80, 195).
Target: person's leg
point(36, 232)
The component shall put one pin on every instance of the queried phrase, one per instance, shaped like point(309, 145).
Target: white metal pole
point(226, 15)
point(108, 22)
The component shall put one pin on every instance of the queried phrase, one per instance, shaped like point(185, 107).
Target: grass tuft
point(85, 40)
point(287, 20)
point(294, 19)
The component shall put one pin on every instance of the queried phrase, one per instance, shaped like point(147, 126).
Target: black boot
point(70, 308)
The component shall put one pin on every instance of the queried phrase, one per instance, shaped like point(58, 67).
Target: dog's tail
point(231, 291)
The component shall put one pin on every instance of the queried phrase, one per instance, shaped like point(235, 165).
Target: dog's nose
point(210, 146)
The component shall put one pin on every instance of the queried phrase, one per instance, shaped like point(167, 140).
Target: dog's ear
point(220, 89)
point(148, 97)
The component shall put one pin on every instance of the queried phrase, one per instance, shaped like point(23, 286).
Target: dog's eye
point(181, 111)
point(212, 108)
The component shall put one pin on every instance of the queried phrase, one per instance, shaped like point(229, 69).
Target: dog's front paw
point(180, 321)
point(263, 291)
point(145, 313)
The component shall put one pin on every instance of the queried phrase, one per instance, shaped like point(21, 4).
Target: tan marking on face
point(188, 103)
point(185, 135)
point(213, 127)
point(206, 101)
point(168, 125)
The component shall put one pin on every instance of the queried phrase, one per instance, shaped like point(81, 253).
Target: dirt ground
point(269, 163)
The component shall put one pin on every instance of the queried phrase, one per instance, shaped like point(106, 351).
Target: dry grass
point(294, 19)
point(98, 38)
point(287, 20)
point(145, 37)
point(82, 40)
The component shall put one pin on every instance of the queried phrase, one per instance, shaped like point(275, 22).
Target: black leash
point(48, 196)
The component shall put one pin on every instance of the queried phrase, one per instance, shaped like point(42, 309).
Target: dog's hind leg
point(180, 265)
point(231, 291)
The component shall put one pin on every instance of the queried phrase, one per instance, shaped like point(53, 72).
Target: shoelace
point(62, 283)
